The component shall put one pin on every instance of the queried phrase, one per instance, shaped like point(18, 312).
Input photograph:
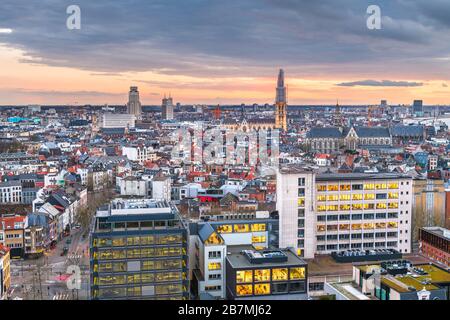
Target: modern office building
point(210, 243)
point(134, 105)
point(435, 244)
point(329, 212)
point(265, 274)
point(139, 251)
point(167, 108)
point(418, 107)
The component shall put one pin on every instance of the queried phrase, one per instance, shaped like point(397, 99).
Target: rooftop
point(122, 206)
point(441, 232)
point(241, 257)
point(359, 176)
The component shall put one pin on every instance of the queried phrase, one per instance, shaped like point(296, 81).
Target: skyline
point(224, 53)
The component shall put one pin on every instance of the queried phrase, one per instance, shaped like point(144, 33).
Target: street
point(45, 278)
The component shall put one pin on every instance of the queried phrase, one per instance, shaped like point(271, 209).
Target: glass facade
point(139, 262)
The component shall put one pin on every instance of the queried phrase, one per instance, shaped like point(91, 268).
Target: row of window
point(357, 226)
point(147, 265)
point(366, 245)
point(357, 236)
point(267, 288)
point(109, 280)
point(357, 196)
point(353, 187)
point(241, 228)
point(278, 274)
point(138, 291)
point(137, 241)
point(358, 206)
point(366, 216)
point(138, 253)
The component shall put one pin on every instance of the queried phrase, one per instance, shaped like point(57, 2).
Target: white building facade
point(333, 212)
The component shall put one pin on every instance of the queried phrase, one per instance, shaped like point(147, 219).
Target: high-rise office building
point(418, 107)
point(134, 105)
point(281, 103)
point(321, 213)
point(167, 108)
point(139, 251)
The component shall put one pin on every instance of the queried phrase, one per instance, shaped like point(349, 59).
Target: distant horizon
point(224, 52)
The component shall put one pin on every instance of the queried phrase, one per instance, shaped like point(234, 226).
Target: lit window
point(368, 225)
point(297, 273)
point(241, 228)
point(333, 198)
point(345, 187)
point(258, 227)
point(301, 202)
point(344, 207)
point(393, 205)
point(213, 239)
point(226, 228)
point(381, 206)
point(321, 208)
point(214, 266)
point(356, 226)
point(369, 186)
point(262, 275)
point(333, 187)
point(258, 239)
point(344, 227)
point(321, 228)
point(244, 290)
point(345, 197)
point(321, 198)
point(393, 185)
point(357, 196)
point(279, 274)
point(369, 196)
point(393, 195)
point(392, 224)
point(322, 187)
point(244, 276)
point(262, 288)
point(379, 186)
point(357, 206)
point(380, 225)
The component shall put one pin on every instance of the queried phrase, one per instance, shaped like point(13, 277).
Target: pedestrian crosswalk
point(61, 296)
point(74, 256)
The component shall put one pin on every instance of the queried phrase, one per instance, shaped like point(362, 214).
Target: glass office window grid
point(361, 203)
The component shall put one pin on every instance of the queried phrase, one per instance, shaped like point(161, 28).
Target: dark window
point(279, 288)
point(297, 286)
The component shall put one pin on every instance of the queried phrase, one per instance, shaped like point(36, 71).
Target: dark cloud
point(383, 83)
point(229, 38)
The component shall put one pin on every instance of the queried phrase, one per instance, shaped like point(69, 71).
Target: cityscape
point(214, 175)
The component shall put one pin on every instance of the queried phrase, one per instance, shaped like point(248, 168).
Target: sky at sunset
point(224, 52)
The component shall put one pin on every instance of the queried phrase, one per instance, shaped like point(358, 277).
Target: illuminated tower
point(281, 104)
point(134, 105)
